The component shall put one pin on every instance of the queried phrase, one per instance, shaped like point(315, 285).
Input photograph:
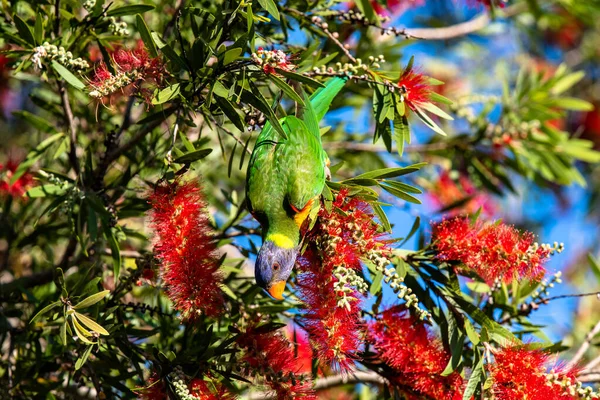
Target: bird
point(284, 182)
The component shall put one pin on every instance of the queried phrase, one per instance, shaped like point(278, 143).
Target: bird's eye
point(276, 267)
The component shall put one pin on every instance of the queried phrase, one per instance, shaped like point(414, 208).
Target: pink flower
point(185, 245)
point(340, 238)
point(416, 357)
point(520, 372)
point(17, 188)
point(271, 355)
point(416, 88)
point(132, 68)
point(493, 251)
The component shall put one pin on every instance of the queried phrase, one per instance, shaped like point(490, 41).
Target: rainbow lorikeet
point(285, 179)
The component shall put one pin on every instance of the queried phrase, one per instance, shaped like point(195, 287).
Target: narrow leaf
point(91, 300)
point(68, 76)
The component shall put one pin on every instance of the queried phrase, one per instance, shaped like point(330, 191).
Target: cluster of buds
point(269, 60)
point(347, 279)
point(118, 28)
point(572, 387)
point(356, 70)
point(358, 18)
point(396, 283)
point(545, 285)
point(89, 5)
point(180, 386)
point(49, 51)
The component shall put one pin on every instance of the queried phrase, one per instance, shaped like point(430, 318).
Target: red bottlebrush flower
point(203, 390)
point(268, 60)
point(415, 88)
point(415, 356)
point(271, 355)
point(19, 187)
point(302, 349)
point(496, 252)
point(132, 68)
point(154, 390)
point(447, 191)
point(328, 284)
point(520, 373)
point(185, 245)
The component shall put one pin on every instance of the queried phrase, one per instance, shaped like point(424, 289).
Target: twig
point(584, 346)
point(318, 22)
point(56, 18)
point(333, 381)
point(64, 96)
point(591, 365)
point(353, 146)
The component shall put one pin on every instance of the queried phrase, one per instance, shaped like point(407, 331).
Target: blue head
point(273, 267)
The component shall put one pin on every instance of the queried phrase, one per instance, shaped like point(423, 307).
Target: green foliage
point(87, 316)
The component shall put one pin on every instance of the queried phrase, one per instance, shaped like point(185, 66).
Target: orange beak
point(276, 290)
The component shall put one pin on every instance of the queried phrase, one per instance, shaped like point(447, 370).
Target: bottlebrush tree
point(127, 247)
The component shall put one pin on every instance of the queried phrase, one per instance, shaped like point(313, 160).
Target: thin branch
point(589, 378)
point(464, 28)
point(591, 365)
point(584, 346)
point(318, 22)
point(333, 381)
point(64, 96)
point(368, 147)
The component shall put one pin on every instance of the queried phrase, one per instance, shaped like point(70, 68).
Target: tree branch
point(584, 346)
point(333, 381)
point(64, 96)
point(464, 28)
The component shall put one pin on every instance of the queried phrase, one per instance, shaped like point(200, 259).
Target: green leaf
point(45, 190)
point(68, 76)
point(129, 10)
point(428, 121)
point(229, 110)
point(81, 360)
point(595, 266)
point(400, 194)
point(166, 94)
point(471, 333)
point(63, 333)
point(574, 104)
point(37, 122)
point(45, 310)
point(80, 331)
point(566, 82)
point(91, 300)
point(287, 89)
point(432, 108)
point(366, 8)
point(189, 158)
point(394, 172)
point(146, 36)
point(376, 285)
point(256, 98)
point(38, 30)
point(440, 99)
point(456, 347)
point(382, 217)
point(413, 230)
point(475, 379)
point(401, 133)
point(271, 8)
point(231, 55)
point(24, 30)
point(300, 78)
point(91, 324)
point(114, 249)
